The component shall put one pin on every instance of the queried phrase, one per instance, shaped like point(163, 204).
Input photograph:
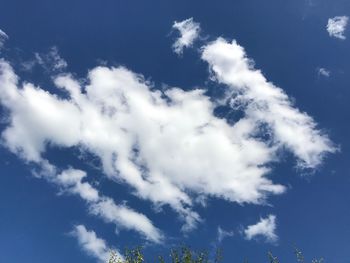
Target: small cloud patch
point(189, 32)
point(336, 26)
point(265, 228)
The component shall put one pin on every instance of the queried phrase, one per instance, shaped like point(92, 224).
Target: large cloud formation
point(168, 146)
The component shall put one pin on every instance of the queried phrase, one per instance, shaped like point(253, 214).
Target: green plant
point(187, 255)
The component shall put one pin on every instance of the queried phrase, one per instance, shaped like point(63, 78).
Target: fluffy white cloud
point(336, 26)
point(189, 31)
point(164, 148)
point(323, 72)
point(92, 244)
point(265, 228)
point(265, 104)
point(168, 146)
point(3, 38)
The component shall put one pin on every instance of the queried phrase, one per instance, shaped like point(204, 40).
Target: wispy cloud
point(3, 38)
point(265, 228)
point(222, 234)
point(123, 217)
point(93, 245)
point(51, 61)
point(336, 26)
point(189, 32)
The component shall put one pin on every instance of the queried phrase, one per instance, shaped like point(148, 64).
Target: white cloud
point(121, 216)
point(92, 244)
point(323, 72)
point(169, 147)
point(71, 181)
point(189, 31)
point(3, 38)
point(222, 234)
point(162, 148)
point(265, 228)
point(336, 26)
point(265, 104)
point(125, 217)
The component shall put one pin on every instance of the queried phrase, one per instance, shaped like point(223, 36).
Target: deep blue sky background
point(288, 41)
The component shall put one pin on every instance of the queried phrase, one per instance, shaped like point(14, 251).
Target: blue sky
point(213, 124)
